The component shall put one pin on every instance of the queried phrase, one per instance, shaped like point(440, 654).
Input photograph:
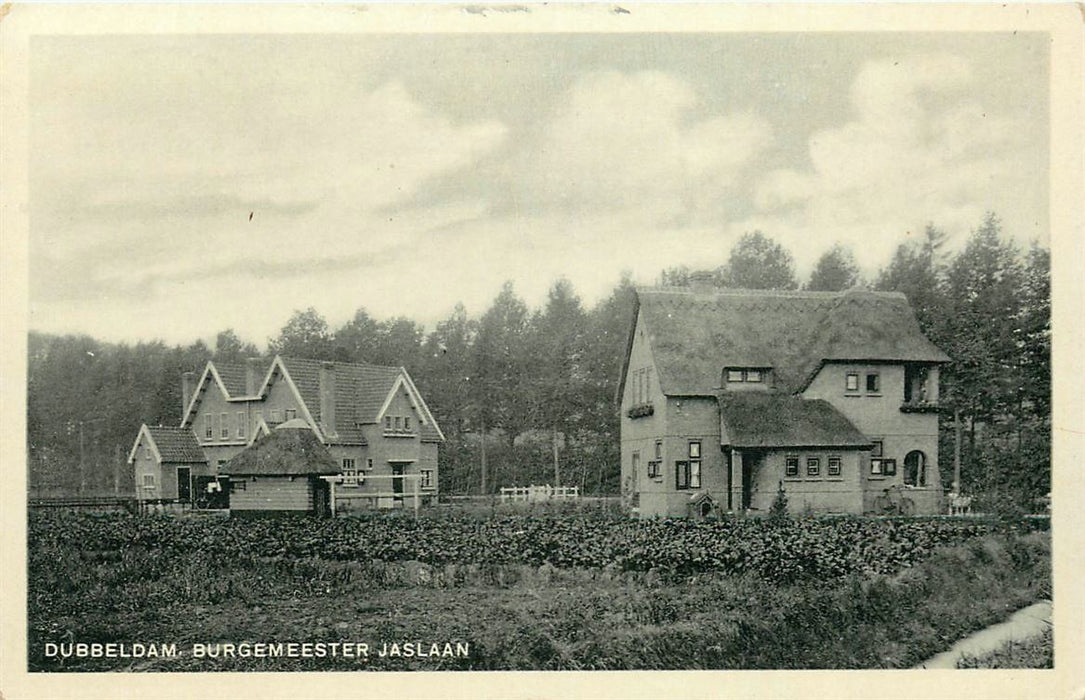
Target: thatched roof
point(290, 450)
point(755, 419)
point(694, 335)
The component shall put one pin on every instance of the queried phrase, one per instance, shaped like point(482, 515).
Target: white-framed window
point(224, 425)
point(851, 381)
point(694, 453)
point(659, 450)
point(275, 416)
point(290, 414)
point(813, 466)
point(753, 375)
point(889, 467)
point(425, 478)
point(876, 448)
point(735, 375)
point(348, 464)
point(834, 466)
point(407, 423)
point(654, 472)
point(873, 383)
point(148, 481)
point(398, 424)
point(681, 475)
point(209, 426)
point(387, 422)
point(146, 453)
point(369, 464)
point(791, 465)
point(241, 424)
point(875, 466)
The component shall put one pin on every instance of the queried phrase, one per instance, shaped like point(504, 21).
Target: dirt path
point(1023, 624)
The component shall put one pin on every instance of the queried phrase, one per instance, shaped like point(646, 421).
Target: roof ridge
point(770, 293)
point(341, 363)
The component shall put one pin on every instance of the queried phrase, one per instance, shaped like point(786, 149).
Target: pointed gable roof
point(694, 335)
point(172, 445)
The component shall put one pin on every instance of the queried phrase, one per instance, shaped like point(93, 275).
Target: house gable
point(696, 335)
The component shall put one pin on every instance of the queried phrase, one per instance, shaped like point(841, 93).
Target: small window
point(681, 475)
point(224, 425)
point(876, 467)
point(399, 424)
point(734, 375)
point(426, 478)
point(791, 466)
point(636, 461)
point(241, 424)
point(148, 481)
point(834, 466)
point(348, 464)
point(813, 466)
point(695, 449)
point(387, 422)
point(851, 382)
point(753, 375)
point(653, 469)
point(876, 449)
point(146, 453)
point(889, 467)
point(275, 416)
point(237, 486)
point(369, 464)
point(209, 426)
point(290, 414)
point(659, 450)
point(695, 473)
point(407, 423)
point(873, 383)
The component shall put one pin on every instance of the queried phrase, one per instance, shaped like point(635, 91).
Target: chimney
point(701, 282)
point(188, 386)
point(327, 398)
point(252, 375)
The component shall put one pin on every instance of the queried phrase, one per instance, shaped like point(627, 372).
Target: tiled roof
point(360, 391)
point(755, 419)
point(286, 451)
point(693, 336)
point(176, 444)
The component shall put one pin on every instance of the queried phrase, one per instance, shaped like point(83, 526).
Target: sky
point(181, 185)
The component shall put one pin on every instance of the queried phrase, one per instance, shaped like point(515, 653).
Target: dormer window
point(748, 375)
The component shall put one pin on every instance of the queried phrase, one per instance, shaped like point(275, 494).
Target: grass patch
point(1037, 652)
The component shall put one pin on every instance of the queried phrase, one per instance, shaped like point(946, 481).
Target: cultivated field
point(574, 591)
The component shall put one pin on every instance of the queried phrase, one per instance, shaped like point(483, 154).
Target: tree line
point(528, 395)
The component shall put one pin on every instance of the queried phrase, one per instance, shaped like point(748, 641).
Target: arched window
point(915, 469)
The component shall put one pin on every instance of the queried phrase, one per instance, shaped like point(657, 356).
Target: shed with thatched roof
point(280, 473)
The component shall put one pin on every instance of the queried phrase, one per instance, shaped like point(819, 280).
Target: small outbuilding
point(167, 462)
point(280, 473)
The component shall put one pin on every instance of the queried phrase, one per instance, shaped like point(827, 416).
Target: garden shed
point(280, 473)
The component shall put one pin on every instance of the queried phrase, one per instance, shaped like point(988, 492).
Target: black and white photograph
point(386, 350)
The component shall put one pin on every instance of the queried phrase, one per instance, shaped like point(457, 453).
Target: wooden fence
point(539, 494)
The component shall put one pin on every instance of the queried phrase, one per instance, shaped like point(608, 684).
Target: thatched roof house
point(291, 449)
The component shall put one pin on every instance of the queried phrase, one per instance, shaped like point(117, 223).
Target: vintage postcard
point(602, 350)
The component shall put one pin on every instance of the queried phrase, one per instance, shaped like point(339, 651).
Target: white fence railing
point(539, 494)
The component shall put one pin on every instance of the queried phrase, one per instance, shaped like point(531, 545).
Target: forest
point(528, 395)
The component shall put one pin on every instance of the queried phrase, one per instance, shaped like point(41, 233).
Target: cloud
point(620, 140)
point(915, 151)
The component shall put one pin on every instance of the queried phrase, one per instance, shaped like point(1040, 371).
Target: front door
point(749, 468)
point(397, 482)
point(184, 484)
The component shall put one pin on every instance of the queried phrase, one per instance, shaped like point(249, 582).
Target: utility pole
point(483, 444)
point(82, 461)
point(957, 450)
